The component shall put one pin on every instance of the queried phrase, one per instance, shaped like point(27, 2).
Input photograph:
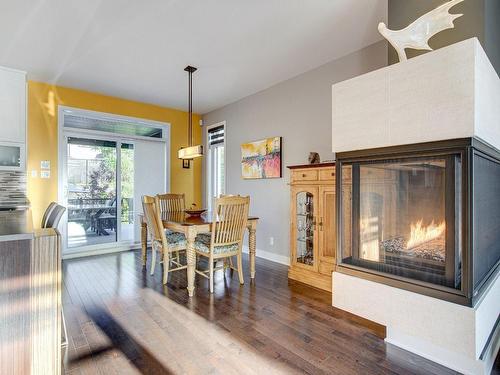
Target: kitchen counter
point(30, 271)
point(16, 225)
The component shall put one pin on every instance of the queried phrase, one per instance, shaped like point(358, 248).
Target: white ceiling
point(137, 49)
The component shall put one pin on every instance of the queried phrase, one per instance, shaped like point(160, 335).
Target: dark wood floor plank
point(122, 320)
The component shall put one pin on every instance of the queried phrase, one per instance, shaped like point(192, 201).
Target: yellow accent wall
point(43, 102)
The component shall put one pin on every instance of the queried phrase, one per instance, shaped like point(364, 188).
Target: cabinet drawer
point(304, 175)
point(327, 174)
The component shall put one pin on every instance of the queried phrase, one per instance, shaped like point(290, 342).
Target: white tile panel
point(450, 93)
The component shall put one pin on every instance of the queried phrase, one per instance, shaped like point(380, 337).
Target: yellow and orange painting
point(261, 159)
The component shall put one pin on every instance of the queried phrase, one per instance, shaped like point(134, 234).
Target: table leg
point(144, 242)
point(251, 249)
point(191, 259)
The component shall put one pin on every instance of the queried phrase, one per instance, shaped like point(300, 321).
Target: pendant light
point(190, 152)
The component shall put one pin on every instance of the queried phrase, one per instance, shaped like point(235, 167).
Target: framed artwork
point(261, 159)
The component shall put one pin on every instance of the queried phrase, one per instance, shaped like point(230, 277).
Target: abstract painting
point(261, 159)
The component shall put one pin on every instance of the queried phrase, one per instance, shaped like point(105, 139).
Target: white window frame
point(208, 163)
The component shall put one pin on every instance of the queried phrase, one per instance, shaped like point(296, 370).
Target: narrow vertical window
point(216, 185)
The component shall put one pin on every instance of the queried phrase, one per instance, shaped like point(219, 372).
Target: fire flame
point(420, 234)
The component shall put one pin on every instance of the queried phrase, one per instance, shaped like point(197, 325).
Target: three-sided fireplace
point(423, 217)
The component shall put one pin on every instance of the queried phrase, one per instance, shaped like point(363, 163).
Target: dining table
point(190, 226)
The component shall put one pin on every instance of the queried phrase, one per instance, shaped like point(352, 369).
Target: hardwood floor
point(121, 320)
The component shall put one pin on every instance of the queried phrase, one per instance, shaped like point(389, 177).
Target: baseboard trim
point(281, 259)
point(92, 252)
point(259, 253)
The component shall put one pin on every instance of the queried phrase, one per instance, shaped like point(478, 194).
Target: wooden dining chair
point(229, 221)
point(172, 202)
point(169, 203)
point(162, 242)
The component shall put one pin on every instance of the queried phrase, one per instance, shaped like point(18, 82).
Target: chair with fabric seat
point(52, 215)
point(160, 240)
point(169, 203)
point(172, 202)
point(229, 221)
point(228, 262)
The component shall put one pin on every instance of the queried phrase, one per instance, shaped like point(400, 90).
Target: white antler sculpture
point(417, 34)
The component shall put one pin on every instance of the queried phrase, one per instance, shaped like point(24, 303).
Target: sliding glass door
point(127, 187)
point(100, 192)
point(107, 163)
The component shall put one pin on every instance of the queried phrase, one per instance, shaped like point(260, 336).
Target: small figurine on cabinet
point(314, 158)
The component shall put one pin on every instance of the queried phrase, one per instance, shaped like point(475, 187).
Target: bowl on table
point(194, 212)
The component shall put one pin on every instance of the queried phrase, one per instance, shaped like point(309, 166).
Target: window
point(216, 179)
point(114, 125)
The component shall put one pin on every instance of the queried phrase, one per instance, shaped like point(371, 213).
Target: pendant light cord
point(190, 69)
point(190, 127)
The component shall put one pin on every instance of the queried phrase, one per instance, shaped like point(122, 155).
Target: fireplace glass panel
point(399, 217)
point(486, 218)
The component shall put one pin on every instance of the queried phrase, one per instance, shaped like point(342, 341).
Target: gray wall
point(481, 19)
point(299, 110)
point(492, 32)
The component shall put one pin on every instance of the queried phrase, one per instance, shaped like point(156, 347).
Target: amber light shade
point(190, 152)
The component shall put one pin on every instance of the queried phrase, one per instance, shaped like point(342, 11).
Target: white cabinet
point(12, 156)
point(12, 119)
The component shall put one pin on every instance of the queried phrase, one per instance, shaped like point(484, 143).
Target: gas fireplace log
point(433, 249)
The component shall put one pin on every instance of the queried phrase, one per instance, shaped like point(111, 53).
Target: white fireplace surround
point(450, 93)
point(453, 92)
point(447, 333)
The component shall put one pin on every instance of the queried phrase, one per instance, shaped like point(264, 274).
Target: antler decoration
point(417, 34)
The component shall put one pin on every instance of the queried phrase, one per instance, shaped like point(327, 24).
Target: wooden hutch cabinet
point(312, 224)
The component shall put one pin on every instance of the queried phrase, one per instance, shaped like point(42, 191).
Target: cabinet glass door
point(10, 156)
point(305, 228)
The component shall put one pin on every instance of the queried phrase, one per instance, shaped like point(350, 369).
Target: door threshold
point(92, 252)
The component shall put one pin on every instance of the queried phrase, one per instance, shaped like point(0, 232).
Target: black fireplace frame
point(468, 149)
